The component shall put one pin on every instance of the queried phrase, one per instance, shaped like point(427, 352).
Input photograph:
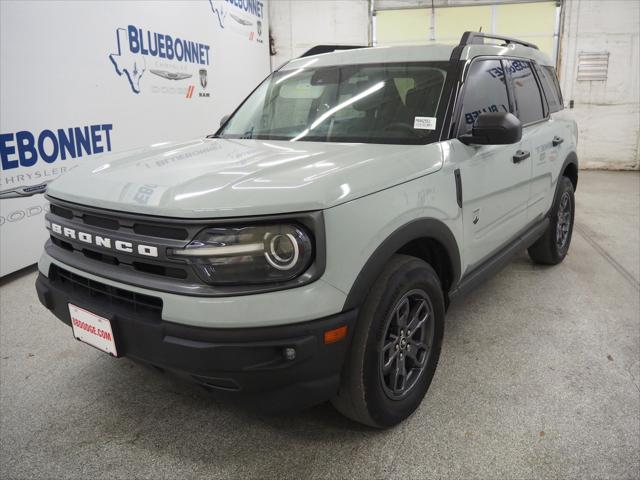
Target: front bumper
point(309, 302)
point(247, 364)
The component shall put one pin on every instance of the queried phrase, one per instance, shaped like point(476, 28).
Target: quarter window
point(485, 91)
point(550, 87)
point(528, 99)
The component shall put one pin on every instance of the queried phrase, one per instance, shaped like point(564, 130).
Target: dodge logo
point(103, 242)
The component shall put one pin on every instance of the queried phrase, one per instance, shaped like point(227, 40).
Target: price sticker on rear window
point(424, 123)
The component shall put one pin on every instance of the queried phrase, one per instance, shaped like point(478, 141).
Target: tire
point(409, 289)
point(553, 245)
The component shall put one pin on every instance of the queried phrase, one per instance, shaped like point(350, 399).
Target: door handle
point(557, 141)
point(520, 156)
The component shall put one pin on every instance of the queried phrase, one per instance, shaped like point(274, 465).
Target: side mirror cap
point(224, 119)
point(494, 128)
point(470, 139)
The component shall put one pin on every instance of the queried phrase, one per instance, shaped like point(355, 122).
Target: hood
point(222, 178)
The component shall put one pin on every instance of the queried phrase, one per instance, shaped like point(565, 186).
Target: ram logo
point(203, 77)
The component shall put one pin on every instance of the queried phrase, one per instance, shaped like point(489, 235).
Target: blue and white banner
point(82, 79)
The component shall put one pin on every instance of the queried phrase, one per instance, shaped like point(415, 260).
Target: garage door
point(535, 22)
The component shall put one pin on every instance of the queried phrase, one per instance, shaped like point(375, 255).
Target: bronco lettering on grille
point(104, 242)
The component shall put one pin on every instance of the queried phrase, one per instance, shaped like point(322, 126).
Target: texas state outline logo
point(174, 64)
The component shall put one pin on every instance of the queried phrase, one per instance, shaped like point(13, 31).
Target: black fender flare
point(413, 230)
point(572, 159)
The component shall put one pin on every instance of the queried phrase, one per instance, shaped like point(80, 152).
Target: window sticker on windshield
point(424, 123)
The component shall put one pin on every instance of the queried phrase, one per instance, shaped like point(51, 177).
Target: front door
point(495, 178)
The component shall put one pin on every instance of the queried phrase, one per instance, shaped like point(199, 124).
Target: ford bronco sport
point(309, 249)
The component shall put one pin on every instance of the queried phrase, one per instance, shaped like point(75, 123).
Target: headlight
point(249, 254)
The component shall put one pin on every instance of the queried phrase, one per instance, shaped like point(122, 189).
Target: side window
point(485, 91)
point(550, 87)
point(527, 93)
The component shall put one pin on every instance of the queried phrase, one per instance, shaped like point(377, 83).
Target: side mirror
point(494, 128)
point(224, 119)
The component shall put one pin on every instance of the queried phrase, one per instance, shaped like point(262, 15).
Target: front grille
point(137, 249)
point(137, 229)
point(161, 270)
point(61, 243)
point(125, 222)
point(62, 212)
point(106, 296)
point(101, 222)
point(161, 231)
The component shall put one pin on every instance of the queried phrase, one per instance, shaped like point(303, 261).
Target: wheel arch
point(570, 169)
point(428, 239)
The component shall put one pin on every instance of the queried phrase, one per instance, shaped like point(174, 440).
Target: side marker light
point(335, 335)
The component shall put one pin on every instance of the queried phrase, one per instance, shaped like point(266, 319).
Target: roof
point(416, 53)
point(405, 53)
point(511, 49)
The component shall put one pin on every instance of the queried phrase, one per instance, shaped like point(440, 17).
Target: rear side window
point(550, 87)
point(528, 99)
point(485, 91)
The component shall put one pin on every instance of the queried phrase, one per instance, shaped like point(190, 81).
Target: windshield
point(381, 103)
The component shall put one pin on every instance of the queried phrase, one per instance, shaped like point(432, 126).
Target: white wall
point(607, 112)
point(61, 69)
point(298, 25)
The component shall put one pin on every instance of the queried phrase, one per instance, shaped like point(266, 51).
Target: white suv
point(309, 249)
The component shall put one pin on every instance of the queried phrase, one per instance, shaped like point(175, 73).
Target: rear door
point(553, 146)
point(537, 132)
point(495, 186)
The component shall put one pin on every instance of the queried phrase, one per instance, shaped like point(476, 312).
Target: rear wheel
point(553, 245)
point(396, 345)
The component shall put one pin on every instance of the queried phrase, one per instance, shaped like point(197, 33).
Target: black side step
point(494, 264)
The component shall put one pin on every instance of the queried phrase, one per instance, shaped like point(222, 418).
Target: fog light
point(289, 353)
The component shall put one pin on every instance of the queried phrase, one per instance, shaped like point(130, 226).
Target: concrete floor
point(539, 377)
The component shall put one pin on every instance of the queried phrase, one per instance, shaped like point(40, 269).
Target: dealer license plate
point(92, 329)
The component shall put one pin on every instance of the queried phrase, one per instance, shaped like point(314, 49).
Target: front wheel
point(396, 345)
point(553, 245)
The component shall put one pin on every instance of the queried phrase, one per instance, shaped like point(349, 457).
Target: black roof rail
point(328, 49)
point(475, 38)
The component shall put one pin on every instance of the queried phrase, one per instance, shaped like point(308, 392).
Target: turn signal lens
point(335, 335)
